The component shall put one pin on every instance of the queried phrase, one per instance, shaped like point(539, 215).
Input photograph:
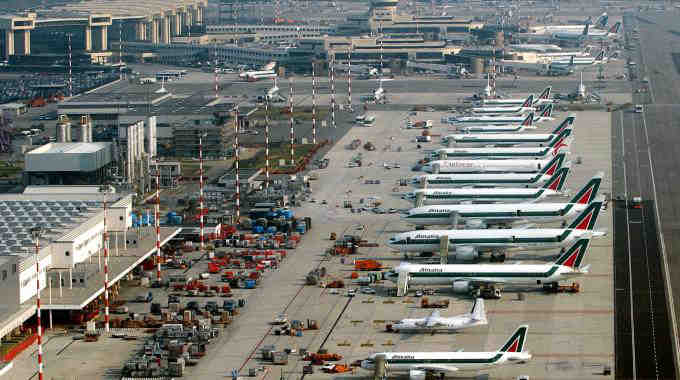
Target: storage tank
point(84, 129)
point(61, 132)
point(477, 65)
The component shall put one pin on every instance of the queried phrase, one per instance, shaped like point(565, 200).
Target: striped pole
point(349, 79)
point(292, 130)
point(217, 89)
point(200, 182)
point(37, 282)
point(332, 68)
point(157, 222)
point(313, 104)
point(381, 50)
point(120, 48)
point(237, 163)
point(266, 145)
point(70, 67)
point(106, 274)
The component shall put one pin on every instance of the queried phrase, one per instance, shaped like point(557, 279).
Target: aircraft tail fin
point(546, 93)
point(602, 20)
point(587, 218)
point(568, 121)
point(478, 312)
point(615, 28)
point(588, 193)
point(600, 56)
point(517, 340)
point(547, 111)
point(554, 164)
point(586, 29)
point(529, 120)
point(573, 257)
point(557, 181)
point(529, 101)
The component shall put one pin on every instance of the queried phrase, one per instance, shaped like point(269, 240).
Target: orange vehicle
point(367, 265)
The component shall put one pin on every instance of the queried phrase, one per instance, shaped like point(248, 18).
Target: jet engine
point(466, 253)
point(475, 224)
point(461, 287)
point(416, 374)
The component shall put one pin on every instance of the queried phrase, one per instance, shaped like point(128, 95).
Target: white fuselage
point(521, 180)
point(515, 274)
point(493, 153)
point(499, 139)
point(401, 362)
point(486, 166)
point(510, 102)
point(494, 128)
point(503, 110)
point(442, 215)
point(482, 195)
point(437, 324)
point(489, 120)
point(528, 238)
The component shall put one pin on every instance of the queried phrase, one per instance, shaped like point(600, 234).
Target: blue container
point(287, 214)
point(258, 229)
point(250, 284)
point(271, 229)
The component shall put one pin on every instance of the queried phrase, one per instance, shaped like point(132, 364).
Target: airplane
point(524, 180)
point(526, 124)
point(580, 61)
point(543, 98)
point(496, 214)
point(378, 95)
point(539, 48)
point(266, 72)
point(491, 194)
point(499, 153)
point(527, 106)
point(563, 130)
point(468, 243)
point(435, 322)
point(468, 278)
point(600, 23)
point(504, 120)
point(604, 34)
point(492, 165)
point(419, 364)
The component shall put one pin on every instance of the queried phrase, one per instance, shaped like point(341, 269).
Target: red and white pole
point(237, 164)
point(106, 274)
point(266, 145)
point(349, 79)
point(332, 68)
point(200, 182)
point(37, 282)
point(157, 223)
point(292, 131)
point(313, 104)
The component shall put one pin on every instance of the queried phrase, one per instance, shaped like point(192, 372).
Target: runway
point(644, 348)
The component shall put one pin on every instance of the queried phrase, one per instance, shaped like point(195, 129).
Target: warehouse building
point(68, 164)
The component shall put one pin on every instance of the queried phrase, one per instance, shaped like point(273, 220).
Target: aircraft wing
point(482, 280)
point(436, 368)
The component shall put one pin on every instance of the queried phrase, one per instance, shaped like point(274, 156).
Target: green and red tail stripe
point(529, 120)
point(554, 164)
point(586, 220)
point(546, 93)
point(588, 193)
point(516, 341)
point(556, 182)
point(547, 111)
point(573, 257)
point(563, 125)
point(528, 102)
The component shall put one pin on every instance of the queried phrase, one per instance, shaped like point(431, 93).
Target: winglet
point(567, 122)
point(586, 220)
point(554, 164)
point(588, 193)
point(573, 256)
point(516, 341)
point(586, 29)
point(557, 181)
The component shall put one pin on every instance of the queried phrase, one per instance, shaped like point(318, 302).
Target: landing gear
point(497, 257)
point(486, 292)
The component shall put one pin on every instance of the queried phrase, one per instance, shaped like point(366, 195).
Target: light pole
point(36, 232)
point(200, 197)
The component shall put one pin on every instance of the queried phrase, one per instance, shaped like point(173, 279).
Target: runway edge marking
point(666, 272)
point(630, 268)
